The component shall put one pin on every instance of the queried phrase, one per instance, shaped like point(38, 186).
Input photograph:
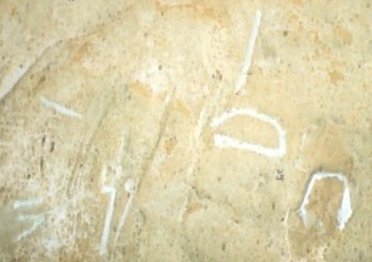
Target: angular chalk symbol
point(37, 220)
point(229, 142)
point(108, 219)
point(344, 212)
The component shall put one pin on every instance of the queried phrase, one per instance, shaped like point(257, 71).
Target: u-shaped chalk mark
point(344, 212)
point(229, 142)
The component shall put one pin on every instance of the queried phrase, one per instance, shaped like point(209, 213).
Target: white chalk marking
point(38, 220)
point(229, 142)
point(108, 219)
point(27, 203)
point(344, 213)
point(59, 108)
point(242, 80)
point(201, 122)
point(130, 187)
point(286, 236)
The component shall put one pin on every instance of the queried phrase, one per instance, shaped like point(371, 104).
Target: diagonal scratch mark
point(203, 119)
point(163, 123)
point(150, 159)
point(83, 152)
point(11, 81)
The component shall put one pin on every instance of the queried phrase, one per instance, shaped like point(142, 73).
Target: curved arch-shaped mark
point(229, 142)
point(344, 212)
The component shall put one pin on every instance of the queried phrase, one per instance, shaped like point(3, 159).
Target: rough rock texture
point(109, 130)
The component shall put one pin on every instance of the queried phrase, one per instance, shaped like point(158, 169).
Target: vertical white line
point(242, 80)
point(108, 220)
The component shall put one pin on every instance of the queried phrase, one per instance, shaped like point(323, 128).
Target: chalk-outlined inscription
point(224, 141)
point(36, 219)
point(344, 212)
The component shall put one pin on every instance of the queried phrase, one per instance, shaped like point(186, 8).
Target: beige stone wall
point(113, 137)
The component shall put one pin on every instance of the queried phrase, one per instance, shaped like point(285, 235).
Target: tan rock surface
point(109, 127)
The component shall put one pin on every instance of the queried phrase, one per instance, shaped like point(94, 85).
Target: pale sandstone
point(143, 81)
